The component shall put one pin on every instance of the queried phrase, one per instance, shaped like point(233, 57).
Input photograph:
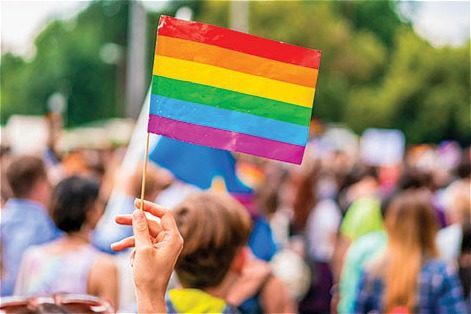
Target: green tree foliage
point(375, 71)
point(68, 60)
point(425, 92)
point(378, 17)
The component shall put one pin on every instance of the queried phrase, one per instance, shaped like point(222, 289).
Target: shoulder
point(34, 252)
point(437, 273)
point(327, 209)
point(442, 282)
point(361, 208)
point(327, 204)
point(373, 270)
point(370, 239)
point(450, 233)
point(437, 266)
point(104, 261)
point(103, 270)
point(367, 247)
point(104, 265)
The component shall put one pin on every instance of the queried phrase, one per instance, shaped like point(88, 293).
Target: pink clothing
point(43, 273)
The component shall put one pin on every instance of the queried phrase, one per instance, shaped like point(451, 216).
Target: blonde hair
point(411, 225)
point(214, 227)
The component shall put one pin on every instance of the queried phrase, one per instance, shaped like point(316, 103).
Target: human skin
point(157, 246)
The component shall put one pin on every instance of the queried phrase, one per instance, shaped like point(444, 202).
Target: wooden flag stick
point(144, 170)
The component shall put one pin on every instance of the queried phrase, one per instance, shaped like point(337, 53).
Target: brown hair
point(23, 173)
point(71, 201)
point(214, 227)
point(411, 225)
point(156, 180)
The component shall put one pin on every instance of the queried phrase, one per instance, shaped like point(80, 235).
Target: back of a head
point(214, 227)
point(413, 178)
point(23, 173)
point(411, 221)
point(411, 225)
point(156, 180)
point(71, 200)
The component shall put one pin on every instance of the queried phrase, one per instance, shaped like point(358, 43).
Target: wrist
point(150, 303)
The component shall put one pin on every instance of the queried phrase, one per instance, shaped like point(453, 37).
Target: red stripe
point(232, 141)
point(230, 39)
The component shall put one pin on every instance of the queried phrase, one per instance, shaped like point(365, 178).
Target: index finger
point(152, 208)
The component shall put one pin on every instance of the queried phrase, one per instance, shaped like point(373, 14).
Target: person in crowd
point(258, 290)
point(288, 263)
point(408, 277)
point(360, 252)
point(369, 246)
point(255, 288)
point(464, 263)
point(363, 216)
point(213, 256)
point(320, 234)
point(458, 212)
point(25, 221)
point(71, 264)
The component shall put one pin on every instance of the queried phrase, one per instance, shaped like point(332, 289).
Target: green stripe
point(230, 100)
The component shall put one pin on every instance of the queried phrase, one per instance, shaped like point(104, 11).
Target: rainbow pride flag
point(226, 89)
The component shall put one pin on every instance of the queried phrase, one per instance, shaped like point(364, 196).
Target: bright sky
point(441, 22)
point(21, 21)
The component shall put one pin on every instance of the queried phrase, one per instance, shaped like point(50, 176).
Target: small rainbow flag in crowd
point(226, 89)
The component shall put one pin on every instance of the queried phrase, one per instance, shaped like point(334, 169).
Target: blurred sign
point(382, 147)
point(27, 134)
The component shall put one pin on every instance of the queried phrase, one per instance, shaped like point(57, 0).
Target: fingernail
point(138, 215)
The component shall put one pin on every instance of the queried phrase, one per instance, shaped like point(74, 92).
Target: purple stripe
point(228, 140)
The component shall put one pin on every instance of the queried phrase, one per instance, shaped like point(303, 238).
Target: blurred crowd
point(336, 234)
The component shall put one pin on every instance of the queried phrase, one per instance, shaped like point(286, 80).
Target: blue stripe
point(228, 120)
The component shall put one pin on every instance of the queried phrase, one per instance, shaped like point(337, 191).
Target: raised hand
point(157, 246)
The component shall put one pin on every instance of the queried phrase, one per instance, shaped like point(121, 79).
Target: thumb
point(141, 229)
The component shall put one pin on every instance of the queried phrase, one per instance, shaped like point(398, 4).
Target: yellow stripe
point(232, 80)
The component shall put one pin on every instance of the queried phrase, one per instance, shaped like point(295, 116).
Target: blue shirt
point(439, 291)
point(24, 223)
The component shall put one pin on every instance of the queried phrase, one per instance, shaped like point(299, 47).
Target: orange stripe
point(234, 60)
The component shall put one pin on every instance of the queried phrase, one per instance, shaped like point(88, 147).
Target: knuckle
point(146, 250)
point(179, 240)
